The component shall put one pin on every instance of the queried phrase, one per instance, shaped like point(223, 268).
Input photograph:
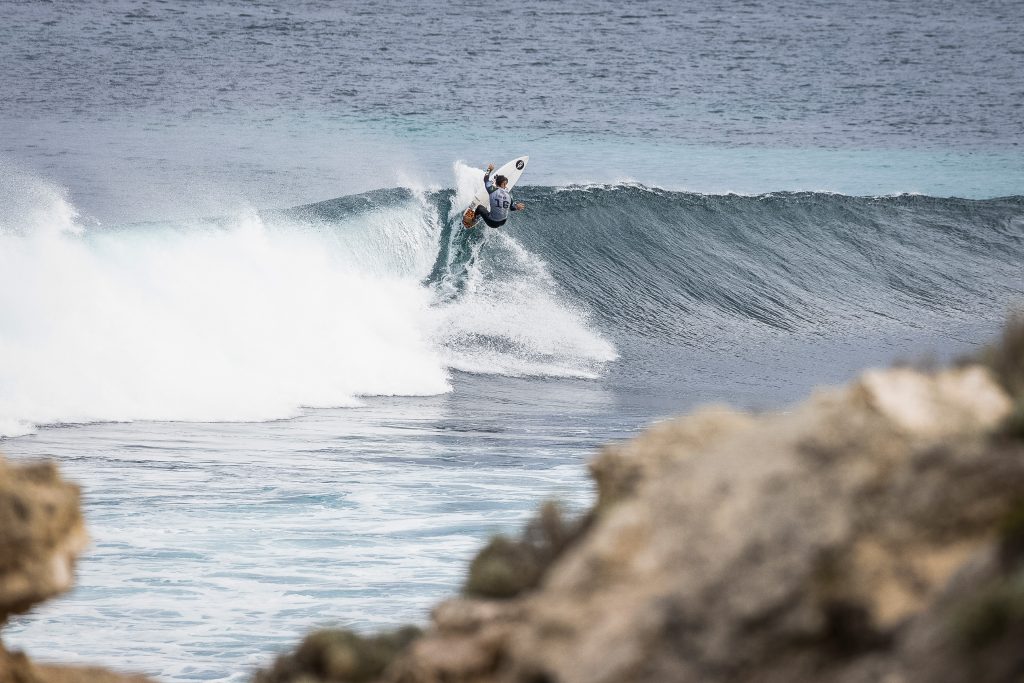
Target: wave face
point(254, 316)
point(692, 268)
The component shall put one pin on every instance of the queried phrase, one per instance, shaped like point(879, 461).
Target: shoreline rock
point(729, 547)
point(875, 532)
point(41, 536)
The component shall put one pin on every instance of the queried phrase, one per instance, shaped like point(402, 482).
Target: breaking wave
point(254, 316)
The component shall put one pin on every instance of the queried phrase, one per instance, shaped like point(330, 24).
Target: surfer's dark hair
point(500, 180)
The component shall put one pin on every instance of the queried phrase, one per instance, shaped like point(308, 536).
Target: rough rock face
point(339, 655)
point(41, 535)
point(17, 668)
point(875, 532)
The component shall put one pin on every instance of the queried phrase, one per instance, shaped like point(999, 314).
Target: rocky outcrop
point(339, 655)
point(875, 532)
point(41, 535)
point(17, 668)
point(730, 547)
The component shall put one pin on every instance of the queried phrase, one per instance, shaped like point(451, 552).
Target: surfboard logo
point(519, 165)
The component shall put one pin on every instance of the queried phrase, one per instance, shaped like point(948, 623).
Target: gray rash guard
point(501, 200)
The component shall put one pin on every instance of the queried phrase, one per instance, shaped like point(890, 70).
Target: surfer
point(500, 201)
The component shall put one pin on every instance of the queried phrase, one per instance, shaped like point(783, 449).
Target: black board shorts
point(482, 212)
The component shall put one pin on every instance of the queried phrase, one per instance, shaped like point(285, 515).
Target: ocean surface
point(237, 305)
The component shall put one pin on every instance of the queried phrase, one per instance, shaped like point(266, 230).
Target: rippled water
point(217, 544)
point(849, 73)
point(152, 109)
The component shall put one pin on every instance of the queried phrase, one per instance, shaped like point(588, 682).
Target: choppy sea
point(237, 305)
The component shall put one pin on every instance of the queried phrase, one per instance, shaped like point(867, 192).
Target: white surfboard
point(512, 170)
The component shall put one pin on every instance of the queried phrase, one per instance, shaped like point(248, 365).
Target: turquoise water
point(148, 171)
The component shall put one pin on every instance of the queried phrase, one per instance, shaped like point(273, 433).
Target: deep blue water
point(236, 304)
point(152, 109)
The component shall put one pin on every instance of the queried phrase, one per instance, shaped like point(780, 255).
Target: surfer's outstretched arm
point(487, 179)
